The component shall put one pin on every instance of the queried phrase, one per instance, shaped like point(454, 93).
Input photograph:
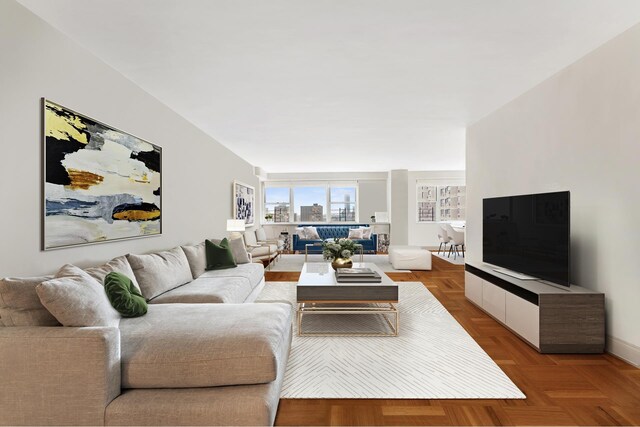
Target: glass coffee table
point(318, 293)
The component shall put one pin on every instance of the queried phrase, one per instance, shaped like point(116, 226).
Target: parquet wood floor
point(560, 389)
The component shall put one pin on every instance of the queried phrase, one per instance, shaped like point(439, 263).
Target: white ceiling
point(339, 85)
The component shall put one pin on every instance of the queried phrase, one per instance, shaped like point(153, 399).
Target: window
point(440, 203)
point(311, 201)
point(309, 204)
point(343, 203)
point(276, 204)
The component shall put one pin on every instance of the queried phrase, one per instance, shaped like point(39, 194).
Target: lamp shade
point(235, 225)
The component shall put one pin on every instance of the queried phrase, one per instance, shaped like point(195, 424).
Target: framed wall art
point(244, 202)
point(100, 183)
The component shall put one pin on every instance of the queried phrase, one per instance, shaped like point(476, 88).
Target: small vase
point(341, 263)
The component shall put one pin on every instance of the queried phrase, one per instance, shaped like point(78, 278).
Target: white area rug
point(459, 260)
point(294, 262)
point(432, 358)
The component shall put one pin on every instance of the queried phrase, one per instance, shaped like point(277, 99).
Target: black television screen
point(528, 234)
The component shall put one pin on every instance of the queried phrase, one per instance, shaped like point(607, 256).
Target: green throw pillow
point(124, 296)
point(219, 256)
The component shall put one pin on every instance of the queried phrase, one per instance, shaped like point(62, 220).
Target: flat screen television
point(528, 234)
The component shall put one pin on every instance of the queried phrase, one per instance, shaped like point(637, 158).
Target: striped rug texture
point(432, 358)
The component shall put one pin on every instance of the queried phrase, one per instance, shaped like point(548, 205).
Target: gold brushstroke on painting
point(83, 179)
point(137, 215)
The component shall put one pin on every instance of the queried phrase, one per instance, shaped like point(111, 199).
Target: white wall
point(577, 131)
point(38, 61)
point(372, 196)
point(399, 206)
point(426, 233)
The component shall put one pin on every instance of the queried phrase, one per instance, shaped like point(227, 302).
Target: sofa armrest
point(58, 375)
point(374, 237)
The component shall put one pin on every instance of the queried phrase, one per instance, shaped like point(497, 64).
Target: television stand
point(551, 320)
point(513, 274)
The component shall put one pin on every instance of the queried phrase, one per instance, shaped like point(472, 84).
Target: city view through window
point(343, 204)
point(310, 203)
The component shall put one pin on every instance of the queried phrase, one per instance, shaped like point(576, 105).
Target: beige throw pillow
point(118, 264)
point(311, 233)
point(197, 258)
point(77, 299)
point(355, 234)
point(160, 272)
point(238, 249)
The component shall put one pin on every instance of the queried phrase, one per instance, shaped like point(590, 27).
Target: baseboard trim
point(624, 350)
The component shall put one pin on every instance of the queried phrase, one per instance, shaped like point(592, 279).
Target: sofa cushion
point(124, 296)
point(250, 238)
point(119, 265)
point(197, 257)
point(159, 272)
point(217, 286)
point(77, 299)
point(20, 304)
point(264, 251)
point(261, 235)
point(219, 256)
point(204, 345)
point(252, 273)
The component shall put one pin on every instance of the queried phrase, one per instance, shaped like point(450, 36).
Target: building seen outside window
point(310, 203)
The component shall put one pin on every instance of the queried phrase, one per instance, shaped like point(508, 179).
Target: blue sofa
point(334, 232)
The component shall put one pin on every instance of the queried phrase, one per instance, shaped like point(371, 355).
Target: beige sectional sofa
point(204, 354)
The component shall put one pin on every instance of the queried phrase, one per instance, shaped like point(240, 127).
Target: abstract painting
point(101, 183)
point(244, 202)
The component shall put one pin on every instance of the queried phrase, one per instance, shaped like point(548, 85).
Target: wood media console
point(551, 319)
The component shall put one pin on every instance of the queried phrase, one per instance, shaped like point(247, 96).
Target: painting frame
point(244, 195)
point(46, 245)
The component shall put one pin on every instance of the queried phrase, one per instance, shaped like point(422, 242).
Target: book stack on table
point(357, 275)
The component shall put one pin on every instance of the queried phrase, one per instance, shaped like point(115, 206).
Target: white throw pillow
point(366, 232)
point(77, 299)
point(355, 234)
point(311, 233)
point(300, 232)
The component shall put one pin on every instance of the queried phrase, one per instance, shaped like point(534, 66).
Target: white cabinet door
point(524, 318)
point(473, 288)
point(493, 300)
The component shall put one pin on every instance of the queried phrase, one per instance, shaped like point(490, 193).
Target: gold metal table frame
point(386, 308)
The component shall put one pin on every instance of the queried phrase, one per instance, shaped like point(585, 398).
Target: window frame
point(264, 207)
point(327, 185)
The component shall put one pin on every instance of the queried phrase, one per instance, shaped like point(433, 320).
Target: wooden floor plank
point(560, 389)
